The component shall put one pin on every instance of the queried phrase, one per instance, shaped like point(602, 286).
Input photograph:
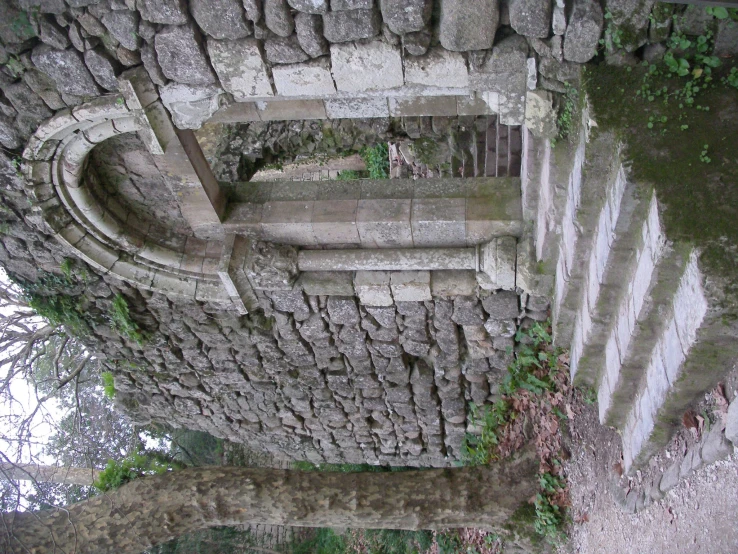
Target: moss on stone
point(700, 198)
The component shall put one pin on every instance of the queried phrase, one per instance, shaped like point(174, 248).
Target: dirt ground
point(699, 515)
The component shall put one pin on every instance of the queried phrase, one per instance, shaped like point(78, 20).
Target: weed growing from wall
point(531, 395)
point(108, 384)
point(121, 319)
point(376, 159)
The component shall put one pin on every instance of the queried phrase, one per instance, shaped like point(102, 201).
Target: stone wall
point(376, 368)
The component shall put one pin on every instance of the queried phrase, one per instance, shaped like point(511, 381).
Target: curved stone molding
point(54, 164)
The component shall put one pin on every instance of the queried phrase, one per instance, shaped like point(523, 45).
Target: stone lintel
point(396, 259)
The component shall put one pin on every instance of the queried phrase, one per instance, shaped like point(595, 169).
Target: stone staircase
point(628, 302)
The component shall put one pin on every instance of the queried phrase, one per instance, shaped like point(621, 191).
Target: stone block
point(351, 25)
point(221, 19)
point(468, 24)
point(243, 218)
point(67, 69)
point(326, 283)
point(238, 112)
point(437, 68)
point(270, 266)
point(731, 424)
point(291, 109)
point(190, 105)
point(373, 288)
point(356, 108)
point(304, 79)
point(540, 116)
point(472, 106)
point(334, 222)
point(497, 264)
point(384, 223)
point(284, 50)
point(583, 33)
point(181, 55)
point(501, 306)
point(531, 18)
point(309, 29)
point(438, 222)
point(288, 222)
point(715, 446)
point(278, 17)
point(168, 12)
point(422, 105)
point(406, 16)
point(240, 68)
point(354, 66)
point(453, 283)
point(410, 286)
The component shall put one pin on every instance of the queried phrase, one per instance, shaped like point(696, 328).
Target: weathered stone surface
point(8, 134)
point(726, 38)
point(278, 18)
point(148, 57)
point(123, 26)
point(558, 22)
point(670, 478)
point(240, 67)
point(410, 286)
point(660, 22)
point(406, 16)
point(715, 446)
point(310, 6)
point(306, 79)
point(503, 305)
point(468, 24)
point(309, 29)
point(416, 44)
point(439, 68)
point(373, 288)
point(731, 423)
point(505, 70)
point(453, 283)
point(584, 30)
point(348, 25)
point(334, 283)
point(50, 33)
point(44, 86)
point(103, 68)
point(531, 18)
point(354, 66)
point(182, 57)
point(343, 310)
point(14, 25)
point(356, 108)
point(271, 266)
point(284, 50)
point(221, 19)
point(253, 9)
point(167, 12)
point(26, 102)
point(67, 69)
point(540, 116)
point(190, 105)
point(564, 72)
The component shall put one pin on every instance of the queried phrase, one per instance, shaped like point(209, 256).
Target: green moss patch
point(687, 149)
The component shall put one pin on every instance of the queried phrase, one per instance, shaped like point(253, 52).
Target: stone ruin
point(346, 321)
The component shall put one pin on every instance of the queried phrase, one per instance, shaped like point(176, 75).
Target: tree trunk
point(153, 510)
point(48, 474)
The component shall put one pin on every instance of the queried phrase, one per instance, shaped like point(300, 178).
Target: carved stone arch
point(55, 163)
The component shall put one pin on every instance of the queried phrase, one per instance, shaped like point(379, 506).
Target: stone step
point(606, 273)
point(676, 371)
point(589, 199)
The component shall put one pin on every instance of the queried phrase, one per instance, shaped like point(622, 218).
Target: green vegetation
point(376, 159)
point(425, 150)
point(680, 132)
point(108, 384)
point(531, 391)
point(349, 175)
point(122, 322)
point(369, 541)
point(568, 107)
point(220, 540)
point(117, 474)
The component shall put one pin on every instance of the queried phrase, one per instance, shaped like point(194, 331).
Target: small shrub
point(349, 175)
point(116, 474)
point(122, 322)
point(59, 310)
point(66, 268)
point(376, 159)
point(108, 384)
